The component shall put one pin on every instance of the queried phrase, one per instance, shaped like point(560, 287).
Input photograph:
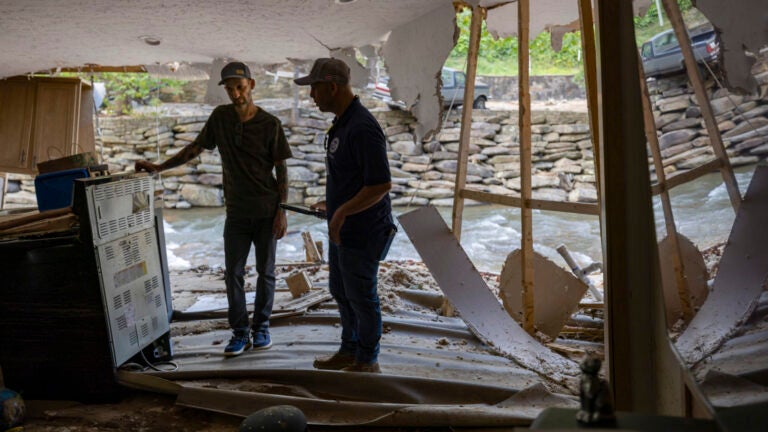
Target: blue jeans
point(352, 282)
point(239, 234)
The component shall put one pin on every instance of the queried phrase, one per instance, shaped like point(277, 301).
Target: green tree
point(125, 88)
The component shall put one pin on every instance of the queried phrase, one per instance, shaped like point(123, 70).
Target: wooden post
point(676, 19)
point(641, 369)
point(590, 79)
point(466, 118)
point(4, 191)
point(523, 14)
point(669, 218)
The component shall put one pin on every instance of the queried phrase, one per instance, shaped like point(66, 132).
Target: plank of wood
point(304, 302)
point(524, 114)
point(588, 47)
point(511, 201)
point(475, 26)
point(463, 285)
point(678, 265)
point(56, 224)
point(565, 349)
point(685, 177)
point(691, 66)
point(741, 277)
point(14, 220)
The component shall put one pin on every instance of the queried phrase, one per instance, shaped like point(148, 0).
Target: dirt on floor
point(398, 281)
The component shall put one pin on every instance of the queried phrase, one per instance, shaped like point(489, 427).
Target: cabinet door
point(16, 107)
point(54, 131)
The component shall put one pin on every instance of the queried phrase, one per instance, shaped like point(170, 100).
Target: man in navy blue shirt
point(360, 224)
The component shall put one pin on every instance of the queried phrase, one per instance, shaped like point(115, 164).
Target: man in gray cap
point(360, 224)
point(251, 143)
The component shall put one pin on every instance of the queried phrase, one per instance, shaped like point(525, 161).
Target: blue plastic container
point(54, 190)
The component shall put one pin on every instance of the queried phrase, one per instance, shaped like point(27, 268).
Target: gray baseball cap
point(235, 70)
point(326, 70)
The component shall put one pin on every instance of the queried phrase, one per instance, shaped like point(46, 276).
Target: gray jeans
point(239, 234)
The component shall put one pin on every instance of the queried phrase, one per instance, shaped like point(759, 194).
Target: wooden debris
point(583, 333)
point(565, 349)
point(298, 283)
point(304, 302)
point(15, 220)
point(310, 248)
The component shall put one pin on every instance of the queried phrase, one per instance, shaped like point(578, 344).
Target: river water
point(701, 208)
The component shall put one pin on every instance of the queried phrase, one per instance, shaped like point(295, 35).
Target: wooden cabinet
point(43, 118)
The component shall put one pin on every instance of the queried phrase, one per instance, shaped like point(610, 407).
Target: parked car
point(662, 55)
point(452, 90)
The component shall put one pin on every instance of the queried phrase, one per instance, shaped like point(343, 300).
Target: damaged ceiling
point(45, 34)
point(414, 36)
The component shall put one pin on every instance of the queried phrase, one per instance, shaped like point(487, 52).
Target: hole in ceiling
point(150, 40)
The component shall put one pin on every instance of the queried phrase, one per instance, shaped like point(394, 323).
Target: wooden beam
point(511, 201)
point(669, 218)
point(526, 215)
point(687, 176)
point(590, 80)
point(466, 117)
point(4, 190)
point(637, 347)
point(676, 19)
point(98, 69)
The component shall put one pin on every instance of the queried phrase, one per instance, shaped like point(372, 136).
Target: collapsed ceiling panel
point(46, 34)
point(556, 16)
point(415, 53)
point(545, 14)
point(743, 26)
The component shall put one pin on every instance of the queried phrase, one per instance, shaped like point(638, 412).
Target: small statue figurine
point(595, 395)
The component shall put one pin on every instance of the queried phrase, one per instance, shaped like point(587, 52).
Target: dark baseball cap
point(326, 70)
point(235, 70)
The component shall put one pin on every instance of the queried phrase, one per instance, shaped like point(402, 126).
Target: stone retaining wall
point(423, 173)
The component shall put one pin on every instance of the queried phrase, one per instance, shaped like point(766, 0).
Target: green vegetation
point(125, 88)
point(499, 56)
point(648, 26)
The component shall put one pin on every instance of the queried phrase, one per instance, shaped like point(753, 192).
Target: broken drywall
point(556, 292)
point(558, 16)
point(741, 277)
point(358, 73)
point(477, 305)
point(695, 276)
point(43, 35)
point(743, 26)
point(415, 53)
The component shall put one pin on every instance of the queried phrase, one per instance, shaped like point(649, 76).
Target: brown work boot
point(337, 361)
point(363, 367)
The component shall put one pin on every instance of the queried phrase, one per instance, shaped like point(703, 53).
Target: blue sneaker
point(261, 340)
point(237, 344)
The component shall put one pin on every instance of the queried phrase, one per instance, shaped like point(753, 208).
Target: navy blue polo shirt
point(356, 156)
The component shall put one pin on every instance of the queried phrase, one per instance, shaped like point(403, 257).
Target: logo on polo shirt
point(334, 145)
